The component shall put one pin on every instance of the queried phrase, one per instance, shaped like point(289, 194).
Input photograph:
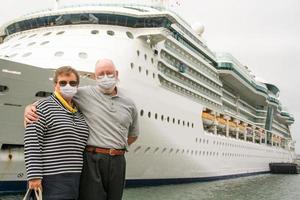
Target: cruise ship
point(203, 115)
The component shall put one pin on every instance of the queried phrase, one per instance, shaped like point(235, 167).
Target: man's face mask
point(107, 83)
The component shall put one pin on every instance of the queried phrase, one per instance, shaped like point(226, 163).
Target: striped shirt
point(55, 143)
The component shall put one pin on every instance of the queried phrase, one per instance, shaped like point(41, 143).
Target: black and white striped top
point(55, 143)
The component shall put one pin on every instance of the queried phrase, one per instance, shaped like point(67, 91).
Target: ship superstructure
point(202, 114)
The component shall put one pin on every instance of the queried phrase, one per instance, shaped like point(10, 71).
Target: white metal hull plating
point(165, 149)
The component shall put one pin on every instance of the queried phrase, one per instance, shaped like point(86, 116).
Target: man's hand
point(131, 139)
point(35, 184)
point(30, 115)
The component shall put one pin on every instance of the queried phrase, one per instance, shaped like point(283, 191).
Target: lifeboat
point(208, 119)
point(232, 126)
point(221, 122)
point(241, 128)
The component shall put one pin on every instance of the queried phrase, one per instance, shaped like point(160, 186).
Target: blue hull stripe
point(8, 187)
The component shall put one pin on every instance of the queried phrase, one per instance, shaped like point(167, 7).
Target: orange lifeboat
point(208, 119)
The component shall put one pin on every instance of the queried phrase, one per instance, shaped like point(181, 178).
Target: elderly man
point(113, 124)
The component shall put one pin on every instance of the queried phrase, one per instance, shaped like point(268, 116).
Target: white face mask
point(68, 91)
point(107, 83)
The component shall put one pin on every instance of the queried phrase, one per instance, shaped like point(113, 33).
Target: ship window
point(141, 112)
point(94, 32)
point(145, 56)
point(162, 118)
point(188, 124)
point(149, 114)
point(43, 94)
point(129, 34)
point(168, 119)
point(147, 72)
point(196, 140)
point(16, 45)
point(138, 52)
point(131, 65)
point(26, 54)
point(111, 33)
point(82, 55)
point(60, 32)
point(48, 33)
point(153, 75)
point(155, 116)
point(31, 43)
point(152, 60)
point(140, 68)
point(3, 88)
point(31, 36)
point(24, 36)
point(192, 125)
point(173, 120)
point(178, 121)
point(13, 55)
point(183, 123)
point(45, 42)
point(59, 53)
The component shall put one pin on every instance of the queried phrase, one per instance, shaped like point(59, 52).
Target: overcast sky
point(262, 34)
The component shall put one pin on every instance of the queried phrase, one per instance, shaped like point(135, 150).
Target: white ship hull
point(166, 151)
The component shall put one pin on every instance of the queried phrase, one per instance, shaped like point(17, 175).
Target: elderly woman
point(54, 144)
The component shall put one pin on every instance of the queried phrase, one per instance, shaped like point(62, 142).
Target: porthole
point(31, 36)
point(43, 94)
point(3, 88)
point(24, 36)
point(16, 45)
point(46, 34)
point(13, 55)
point(94, 32)
point(26, 54)
point(45, 42)
point(82, 55)
point(59, 53)
point(142, 112)
point(31, 43)
point(111, 33)
point(129, 35)
point(60, 32)
point(149, 114)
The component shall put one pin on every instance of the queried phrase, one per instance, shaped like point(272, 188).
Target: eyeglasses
point(64, 83)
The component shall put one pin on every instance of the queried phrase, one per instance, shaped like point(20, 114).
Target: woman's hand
point(35, 184)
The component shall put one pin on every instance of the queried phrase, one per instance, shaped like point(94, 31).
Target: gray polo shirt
point(111, 119)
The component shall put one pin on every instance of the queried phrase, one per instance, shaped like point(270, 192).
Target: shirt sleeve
point(33, 140)
point(134, 127)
